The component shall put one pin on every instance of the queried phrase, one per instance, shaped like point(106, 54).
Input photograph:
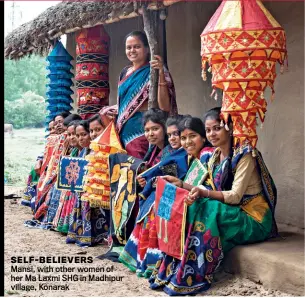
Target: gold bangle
point(162, 83)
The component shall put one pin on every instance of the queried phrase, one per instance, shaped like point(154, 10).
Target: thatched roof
point(66, 17)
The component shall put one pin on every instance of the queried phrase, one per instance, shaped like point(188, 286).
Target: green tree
point(28, 111)
point(26, 74)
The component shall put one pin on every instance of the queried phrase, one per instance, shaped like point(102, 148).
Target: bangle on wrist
point(162, 83)
point(208, 196)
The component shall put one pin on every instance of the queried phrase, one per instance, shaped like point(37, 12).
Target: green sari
point(213, 228)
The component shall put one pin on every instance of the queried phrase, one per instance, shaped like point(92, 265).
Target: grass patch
point(20, 153)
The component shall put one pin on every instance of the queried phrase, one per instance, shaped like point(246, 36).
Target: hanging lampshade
point(242, 44)
point(91, 74)
point(58, 95)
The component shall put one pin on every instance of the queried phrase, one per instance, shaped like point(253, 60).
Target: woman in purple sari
point(133, 92)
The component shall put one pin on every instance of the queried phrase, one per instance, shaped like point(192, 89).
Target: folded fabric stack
point(97, 181)
point(59, 87)
point(92, 79)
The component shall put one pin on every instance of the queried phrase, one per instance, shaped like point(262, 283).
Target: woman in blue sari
point(133, 92)
point(234, 205)
point(141, 251)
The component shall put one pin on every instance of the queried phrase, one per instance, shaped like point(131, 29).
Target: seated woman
point(51, 204)
point(96, 126)
point(65, 198)
point(87, 226)
point(141, 251)
point(54, 149)
point(172, 131)
point(235, 205)
point(173, 137)
point(54, 205)
point(155, 132)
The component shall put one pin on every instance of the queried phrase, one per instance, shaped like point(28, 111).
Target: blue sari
point(133, 91)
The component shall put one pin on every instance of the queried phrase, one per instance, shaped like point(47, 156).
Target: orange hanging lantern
point(242, 43)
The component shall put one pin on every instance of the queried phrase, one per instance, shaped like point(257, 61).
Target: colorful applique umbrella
point(59, 91)
point(92, 79)
point(242, 44)
point(97, 181)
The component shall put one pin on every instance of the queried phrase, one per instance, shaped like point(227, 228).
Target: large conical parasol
point(242, 44)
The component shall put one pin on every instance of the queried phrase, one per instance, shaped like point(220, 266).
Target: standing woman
point(133, 92)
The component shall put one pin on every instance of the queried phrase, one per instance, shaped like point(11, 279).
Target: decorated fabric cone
point(97, 181)
point(242, 44)
point(92, 79)
point(59, 91)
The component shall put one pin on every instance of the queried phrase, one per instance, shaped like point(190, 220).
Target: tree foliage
point(28, 111)
point(24, 91)
point(26, 74)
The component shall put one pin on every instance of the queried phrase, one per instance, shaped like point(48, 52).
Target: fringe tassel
point(204, 75)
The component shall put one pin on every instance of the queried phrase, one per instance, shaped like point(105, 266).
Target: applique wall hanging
point(242, 44)
point(71, 172)
point(123, 173)
point(170, 211)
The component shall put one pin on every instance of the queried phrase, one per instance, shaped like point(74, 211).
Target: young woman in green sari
point(234, 205)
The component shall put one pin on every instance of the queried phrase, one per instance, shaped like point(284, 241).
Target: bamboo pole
point(150, 28)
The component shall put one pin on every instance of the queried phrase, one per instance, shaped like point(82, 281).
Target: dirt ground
point(21, 241)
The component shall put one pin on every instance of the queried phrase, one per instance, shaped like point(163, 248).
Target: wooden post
point(150, 27)
point(164, 43)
